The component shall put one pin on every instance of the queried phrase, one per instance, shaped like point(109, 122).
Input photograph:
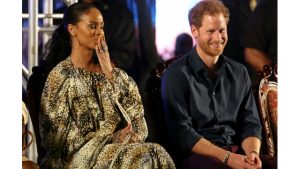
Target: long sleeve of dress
point(130, 100)
point(54, 116)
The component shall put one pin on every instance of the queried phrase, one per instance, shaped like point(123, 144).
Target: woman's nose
point(99, 30)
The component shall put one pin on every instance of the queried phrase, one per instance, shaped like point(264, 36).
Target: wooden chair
point(267, 101)
point(156, 120)
point(153, 106)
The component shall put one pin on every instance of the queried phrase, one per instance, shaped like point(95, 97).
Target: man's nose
point(217, 36)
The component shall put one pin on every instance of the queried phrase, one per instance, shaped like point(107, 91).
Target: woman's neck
point(84, 59)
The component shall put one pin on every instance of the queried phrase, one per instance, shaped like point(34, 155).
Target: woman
point(91, 113)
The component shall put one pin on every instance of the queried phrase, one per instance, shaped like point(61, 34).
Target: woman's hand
point(120, 135)
point(103, 57)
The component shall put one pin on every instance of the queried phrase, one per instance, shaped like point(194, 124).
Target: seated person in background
point(208, 100)
point(91, 113)
point(26, 162)
point(183, 44)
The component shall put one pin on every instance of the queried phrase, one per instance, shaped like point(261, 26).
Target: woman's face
point(89, 29)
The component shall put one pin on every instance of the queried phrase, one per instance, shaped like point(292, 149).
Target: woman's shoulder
point(62, 68)
point(61, 71)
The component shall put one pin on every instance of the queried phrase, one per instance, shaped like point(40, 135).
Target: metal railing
point(33, 27)
point(33, 30)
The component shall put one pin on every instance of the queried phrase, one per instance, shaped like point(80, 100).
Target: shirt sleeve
point(175, 96)
point(54, 118)
point(130, 100)
point(248, 121)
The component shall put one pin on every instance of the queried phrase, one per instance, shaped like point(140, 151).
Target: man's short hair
point(207, 7)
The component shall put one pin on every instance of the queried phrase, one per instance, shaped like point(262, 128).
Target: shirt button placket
point(215, 106)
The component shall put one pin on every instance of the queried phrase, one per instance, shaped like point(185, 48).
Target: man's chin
point(217, 52)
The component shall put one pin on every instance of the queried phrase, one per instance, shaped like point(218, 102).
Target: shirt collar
point(197, 64)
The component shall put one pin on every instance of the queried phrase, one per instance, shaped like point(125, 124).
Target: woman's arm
point(130, 100)
point(54, 117)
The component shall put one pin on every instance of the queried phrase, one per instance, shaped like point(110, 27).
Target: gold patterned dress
point(80, 112)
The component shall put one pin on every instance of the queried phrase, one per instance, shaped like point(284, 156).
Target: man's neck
point(209, 61)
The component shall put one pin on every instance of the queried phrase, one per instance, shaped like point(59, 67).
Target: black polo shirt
point(223, 111)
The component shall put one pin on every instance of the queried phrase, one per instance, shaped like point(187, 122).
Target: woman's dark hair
point(58, 48)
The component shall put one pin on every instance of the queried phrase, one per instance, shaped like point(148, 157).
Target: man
point(208, 99)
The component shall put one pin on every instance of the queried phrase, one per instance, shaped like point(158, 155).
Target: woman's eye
point(92, 26)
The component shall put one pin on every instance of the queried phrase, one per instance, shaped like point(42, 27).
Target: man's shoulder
point(178, 66)
point(177, 74)
point(234, 64)
point(236, 69)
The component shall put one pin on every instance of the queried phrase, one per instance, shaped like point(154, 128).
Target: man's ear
point(194, 31)
point(72, 29)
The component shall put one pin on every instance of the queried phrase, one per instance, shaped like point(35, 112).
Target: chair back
point(267, 95)
point(34, 90)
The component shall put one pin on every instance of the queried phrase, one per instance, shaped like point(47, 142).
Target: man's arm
point(204, 147)
point(251, 146)
point(256, 59)
point(209, 150)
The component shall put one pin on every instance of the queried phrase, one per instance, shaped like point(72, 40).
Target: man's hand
point(254, 160)
point(238, 161)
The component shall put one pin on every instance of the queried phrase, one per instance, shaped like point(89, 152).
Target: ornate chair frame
point(267, 95)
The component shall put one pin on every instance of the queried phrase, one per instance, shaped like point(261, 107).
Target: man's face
point(211, 37)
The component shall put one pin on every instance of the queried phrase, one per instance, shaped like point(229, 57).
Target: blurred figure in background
point(183, 44)
point(240, 11)
point(260, 40)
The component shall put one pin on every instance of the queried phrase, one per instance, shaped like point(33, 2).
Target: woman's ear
point(72, 30)
point(194, 31)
